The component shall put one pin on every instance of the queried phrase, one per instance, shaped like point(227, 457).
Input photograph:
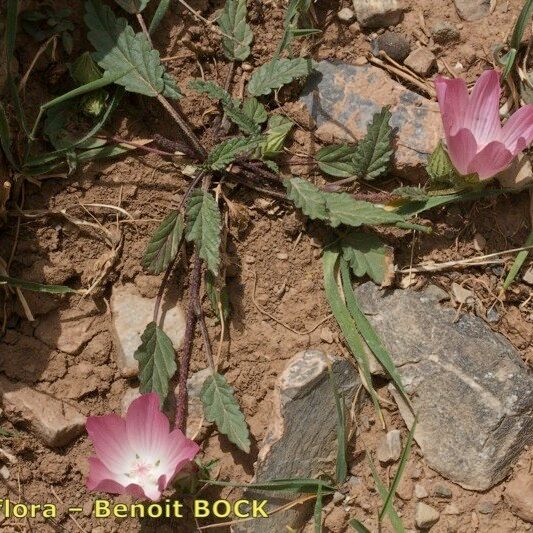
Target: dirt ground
point(269, 248)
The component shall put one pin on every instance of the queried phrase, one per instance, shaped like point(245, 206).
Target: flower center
point(143, 472)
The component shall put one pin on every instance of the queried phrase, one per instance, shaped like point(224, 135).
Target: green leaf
point(119, 50)
point(203, 227)
point(159, 15)
point(337, 208)
point(226, 152)
point(301, 485)
point(5, 137)
point(278, 129)
point(84, 70)
point(244, 122)
point(344, 209)
point(337, 160)
point(410, 193)
point(11, 32)
point(383, 492)
point(255, 110)
point(387, 504)
point(35, 287)
point(233, 23)
point(373, 153)
point(164, 244)
point(318, 511)
point(307, 197)
point(443, 174)
point(277, 73)
point(341, 470)
point(366, 254)
point(518, 262)
point(346, 323)
point(157, 362)
point(221, 407)
point(218, 297)
point(358, 526)
point(132, 6)
point(368, 333)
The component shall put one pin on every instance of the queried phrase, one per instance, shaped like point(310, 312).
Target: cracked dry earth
point(67, 364)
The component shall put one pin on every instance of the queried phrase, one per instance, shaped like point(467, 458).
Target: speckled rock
point(469, 386)
point(378, 13)
point(343, 98)
point(130, 314)
point(444, 32)
point(302, 439)
point(472, 9)
point(394, 45)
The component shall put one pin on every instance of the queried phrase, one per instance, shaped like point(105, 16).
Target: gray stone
point(444, 32)
point(54, 422)
point(302, 439)
point(442, 491)
point(425, 516)
point(472, 9)
point(377, 13)
point(131, 313)
point(421, 61)
point(343, 99)
point(394, 45)
point(469, 386)
point(485, 507)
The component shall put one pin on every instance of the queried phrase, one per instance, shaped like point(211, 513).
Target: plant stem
point(144, 29)
point(181, 121)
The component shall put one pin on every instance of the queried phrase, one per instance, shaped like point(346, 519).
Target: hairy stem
point(144, 29)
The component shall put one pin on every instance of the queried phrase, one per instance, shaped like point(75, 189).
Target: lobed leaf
point(164, 244)
point(337, 160)
point(279, 128)
point(157, 362)
point(226, 152)
point(366, 254)
point(255, 110)
point(307, 197)
point(233, 23)
point(373, 153)
point(132, 6)
point(277, 73)
point(122, 52)
point(221, 407)
point(204, 226)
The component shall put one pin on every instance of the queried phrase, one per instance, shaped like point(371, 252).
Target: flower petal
point(453, 102)
point(492, 159)
point(483, 112)
point(147, 428)
point(102, 479)
point(462, 148)
point(108, 434)
point(517, 132)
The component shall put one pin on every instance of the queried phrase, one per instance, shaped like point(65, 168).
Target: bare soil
point(273, 260)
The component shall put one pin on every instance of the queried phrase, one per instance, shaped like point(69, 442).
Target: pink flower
point(137, 455)
point(476, 140)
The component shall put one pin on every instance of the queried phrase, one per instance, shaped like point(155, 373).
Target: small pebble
point(451, 509)
point(346, 14)
point(282, 256)
point(249, 259)
point(493, 315)
point(4, 472)
point(479, 242)
point(444, 32)
point(420, 492)
point(326, 335)
point(421, 61)
point(442, 491)
point(425, 516)
point(390, 447)
point(394, 45)
point(338, 497)
point(485, 507)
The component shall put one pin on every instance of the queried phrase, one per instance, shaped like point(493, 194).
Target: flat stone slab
point(343, 98)
point(54, 422)
point(302, 438)
point(472, 9)
point(473, 393)
point(131, 313)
